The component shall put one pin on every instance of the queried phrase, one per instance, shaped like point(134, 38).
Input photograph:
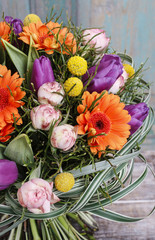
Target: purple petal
point(138, 114)
point(42, 72)
point(8, 173)
point(108, 71)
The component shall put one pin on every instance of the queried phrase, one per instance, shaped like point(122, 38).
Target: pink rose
point(36, 195)
point(51, 92)
point(44, 115)
point(64, 136)
point(95, 37)
point(119, 83)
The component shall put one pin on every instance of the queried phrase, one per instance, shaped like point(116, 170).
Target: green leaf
point(126, 57)
point(18, 57)
point(36, 172)
point(2, 53)
point(91, 189)
point(32, 55)
point(8, 221)
point(14, 225)
point(2, 148)
point(6, 210)
point(116, 196)
point(116, 217)
point(104, 164)
point(107, 214)
point(19, 150)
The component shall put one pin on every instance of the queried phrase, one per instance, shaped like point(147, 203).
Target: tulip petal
point(8, 173)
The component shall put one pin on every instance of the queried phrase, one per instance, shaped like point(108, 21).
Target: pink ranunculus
point(51, 92)
point(95, 37)
point(64, 137)
point(119, 83)
point(36, 195)
point(44, 115)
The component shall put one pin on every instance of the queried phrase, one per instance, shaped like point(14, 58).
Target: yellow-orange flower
point(4, 31)
point(106, 123)
point(49, 37)
point(10, 96)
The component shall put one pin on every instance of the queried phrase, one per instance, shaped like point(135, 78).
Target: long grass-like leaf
point(104, 164)
point(116, 196)
point(107, 214)
point(14, 225)
point(8, 221)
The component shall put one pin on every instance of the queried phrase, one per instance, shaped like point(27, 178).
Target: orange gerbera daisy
point(5, 132)
point(10, 96)
point(105, 120)
point(4, 31)
point(49, 37)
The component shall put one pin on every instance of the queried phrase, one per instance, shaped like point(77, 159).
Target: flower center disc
point(101, 122)
point(3, 98)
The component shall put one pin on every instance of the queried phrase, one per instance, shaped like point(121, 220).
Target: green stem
point(11, 237)
point(18, 232)
point(66, 226)
point(82, 224)
point(34, 230)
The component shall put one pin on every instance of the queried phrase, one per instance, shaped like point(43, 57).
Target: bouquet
point(73, 114)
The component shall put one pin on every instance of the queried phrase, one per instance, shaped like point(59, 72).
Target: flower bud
point(42, 72)
point(8, 173)
point(44, 115)
point(64, 137)
point(51, 92)
point(95, 38)
point(138, 114)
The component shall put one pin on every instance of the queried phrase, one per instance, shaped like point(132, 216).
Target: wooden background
point(131, 26)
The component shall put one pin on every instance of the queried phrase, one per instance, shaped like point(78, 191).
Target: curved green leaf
point(19, 150)
point(104, 164)
point(14, 225)
point(18, 58)
point(107, 214)
point(116, 196)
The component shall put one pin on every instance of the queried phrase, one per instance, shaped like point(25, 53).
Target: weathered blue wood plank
point(14, 8)
point(43, 8)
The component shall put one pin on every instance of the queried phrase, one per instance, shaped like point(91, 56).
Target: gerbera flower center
point(100, 122)
point(4, 97)
point(42, 38)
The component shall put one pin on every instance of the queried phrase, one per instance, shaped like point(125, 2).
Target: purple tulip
point(138, 113)
point(108, 71)
point(42, 72)
point(8, 19)
point(16, 24)
point(8, 173)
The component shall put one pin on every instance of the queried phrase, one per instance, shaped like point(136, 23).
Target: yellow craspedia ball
point(77, 65)
point(73, 86)
point(64, 182)
point(129, 69)
point(31, 18)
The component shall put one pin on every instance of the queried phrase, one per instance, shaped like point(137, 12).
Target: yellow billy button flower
point(31, 18)
point(73, 86)
point(64, 182)
point(129, 69)
point(77, 65)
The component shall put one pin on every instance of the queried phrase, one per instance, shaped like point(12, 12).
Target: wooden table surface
point(138, 203)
